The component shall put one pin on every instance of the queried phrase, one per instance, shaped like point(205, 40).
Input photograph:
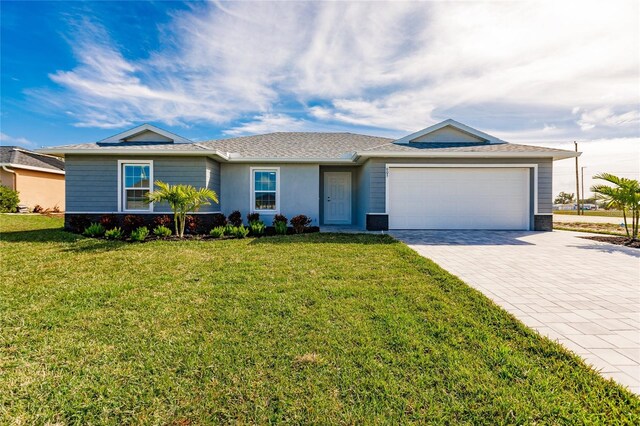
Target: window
point(264, 190)
point(136, 179)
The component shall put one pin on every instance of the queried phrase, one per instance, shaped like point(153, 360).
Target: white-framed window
point(265, 189)
point(135, 180)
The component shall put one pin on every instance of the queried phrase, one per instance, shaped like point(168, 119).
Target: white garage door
point(458, 198)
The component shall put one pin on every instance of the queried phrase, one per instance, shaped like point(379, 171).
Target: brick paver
point(582, 293)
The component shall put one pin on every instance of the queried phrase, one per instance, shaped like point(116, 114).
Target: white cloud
point(10, 140)
point(620, 156)
point(267, 123)
point(397, 66)
point(604, 116)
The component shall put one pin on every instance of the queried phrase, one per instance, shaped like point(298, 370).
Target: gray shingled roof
point(425, 147)
point(309, 145)
point(297, 145)
point(133, 146)
point(23, 157)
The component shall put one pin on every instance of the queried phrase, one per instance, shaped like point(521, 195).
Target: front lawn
point(316, 328)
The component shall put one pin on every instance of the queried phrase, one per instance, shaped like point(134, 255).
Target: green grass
point(607, 213)
point(316, 328)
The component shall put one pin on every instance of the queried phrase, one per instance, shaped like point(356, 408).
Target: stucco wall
point(92, 180)
point(299, 190)
point(40, 188)
point(6, 179)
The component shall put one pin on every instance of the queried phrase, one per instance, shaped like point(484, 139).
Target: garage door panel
point(458, 198)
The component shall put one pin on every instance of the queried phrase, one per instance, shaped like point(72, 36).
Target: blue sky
point(541, 72)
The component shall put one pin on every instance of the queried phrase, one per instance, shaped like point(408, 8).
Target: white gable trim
point(453, 123)
point(120, 137)
point(34, 168)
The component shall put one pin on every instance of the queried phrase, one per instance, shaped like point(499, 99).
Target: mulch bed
point(620, 241)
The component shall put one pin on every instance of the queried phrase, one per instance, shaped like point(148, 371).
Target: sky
point(542, 73)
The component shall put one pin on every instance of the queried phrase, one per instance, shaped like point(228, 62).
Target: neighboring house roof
point(319, 146)
point(20, 158)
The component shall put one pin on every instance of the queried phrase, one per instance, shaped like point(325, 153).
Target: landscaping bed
point(596, 228)
point(601, 212)
point(139, 228)
point(620, 241)
point(301, 329)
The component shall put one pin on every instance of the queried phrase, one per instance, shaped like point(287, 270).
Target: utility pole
point(582, 183)
point(577, 180)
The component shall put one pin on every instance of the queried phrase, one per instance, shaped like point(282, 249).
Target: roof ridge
point(258, 135)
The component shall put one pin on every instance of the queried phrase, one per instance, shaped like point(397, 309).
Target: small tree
point(182, 199)
point(564, 198)
point(623, 195)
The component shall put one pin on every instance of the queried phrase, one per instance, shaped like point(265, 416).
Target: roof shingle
point(310, 145)
point(296, 145)
point(23, 157)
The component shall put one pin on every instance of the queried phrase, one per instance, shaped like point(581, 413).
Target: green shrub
point(229, 229)
point(9, 200)
point(94, 230)
point(280, 227)
point(162, 231)
point(217, 232)
point(257, 228)
point(240, 231)
point(139, 234)
point(114, 234)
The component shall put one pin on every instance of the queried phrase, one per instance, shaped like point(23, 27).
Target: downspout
point(15, 183)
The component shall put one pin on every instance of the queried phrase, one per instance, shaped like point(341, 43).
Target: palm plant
point(623, 195)
point(182, 199)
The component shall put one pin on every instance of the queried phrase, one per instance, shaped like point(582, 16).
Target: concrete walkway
point(569, 218)
point(582, 293)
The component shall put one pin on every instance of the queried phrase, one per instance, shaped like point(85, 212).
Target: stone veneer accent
point(377, 222)
point(543, 222)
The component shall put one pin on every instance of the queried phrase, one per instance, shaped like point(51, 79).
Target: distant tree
point(564, 198)
point(623, 195)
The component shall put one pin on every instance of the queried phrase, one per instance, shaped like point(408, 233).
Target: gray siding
point(91, 184)
point(373, 180)
point(213, 183)
point(299, 190)
point(92, 181)
point(364, 193)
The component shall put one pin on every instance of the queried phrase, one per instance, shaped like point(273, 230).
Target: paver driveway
point(583, 293)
